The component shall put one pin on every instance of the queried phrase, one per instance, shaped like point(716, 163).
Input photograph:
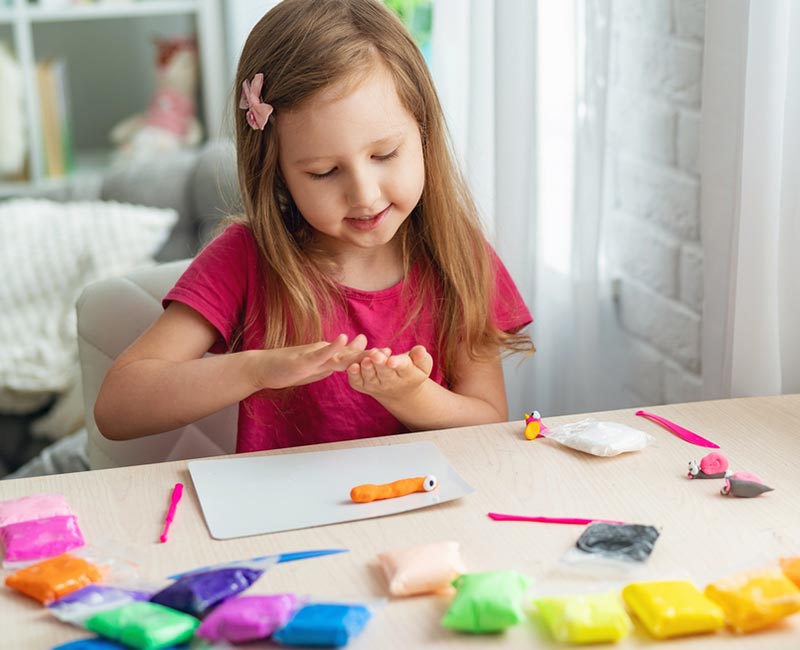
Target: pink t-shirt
point(223, 283)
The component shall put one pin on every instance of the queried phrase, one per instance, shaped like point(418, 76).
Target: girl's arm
point(402, 385)
point(163, 381)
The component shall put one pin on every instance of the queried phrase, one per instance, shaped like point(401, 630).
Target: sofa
point(200, 185)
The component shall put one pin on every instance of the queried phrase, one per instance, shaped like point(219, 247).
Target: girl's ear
point(292, 218)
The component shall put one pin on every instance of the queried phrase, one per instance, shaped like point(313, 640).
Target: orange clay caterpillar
point(370, 492)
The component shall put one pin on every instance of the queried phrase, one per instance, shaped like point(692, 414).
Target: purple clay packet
point(248, 618)
point(39, 539)
point(196, 594)
point(92, 599)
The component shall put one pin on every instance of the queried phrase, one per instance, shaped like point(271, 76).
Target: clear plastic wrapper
point(605, 549)
point(84, 603)
point(599, 438)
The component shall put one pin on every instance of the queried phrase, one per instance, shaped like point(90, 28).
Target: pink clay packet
point(422, 569)
point(37, 527)
point(37, 506)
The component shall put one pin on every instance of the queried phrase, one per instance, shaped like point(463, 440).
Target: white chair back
point(111, 315)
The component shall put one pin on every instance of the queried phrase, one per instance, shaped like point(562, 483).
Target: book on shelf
point(51, 78)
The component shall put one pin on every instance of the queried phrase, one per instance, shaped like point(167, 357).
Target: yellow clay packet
point(672, 608)
point(755, 599)
point(586, 618)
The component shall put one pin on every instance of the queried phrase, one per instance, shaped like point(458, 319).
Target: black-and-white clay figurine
point(745, 485)
point(713, 465)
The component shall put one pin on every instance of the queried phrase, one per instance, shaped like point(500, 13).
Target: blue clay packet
point(199, 593)
point(97, 643)
point(324, 624)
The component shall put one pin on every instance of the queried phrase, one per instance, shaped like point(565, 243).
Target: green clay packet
point(487, 602)
point(144, 625)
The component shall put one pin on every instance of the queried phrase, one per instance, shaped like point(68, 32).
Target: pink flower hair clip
point(257, 111)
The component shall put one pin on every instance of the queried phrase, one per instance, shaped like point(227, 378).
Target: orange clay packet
point(756, 599)
point(54, 578)
point(791, 568)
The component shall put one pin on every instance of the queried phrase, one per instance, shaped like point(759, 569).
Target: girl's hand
point(305, 364)
point(391, 377)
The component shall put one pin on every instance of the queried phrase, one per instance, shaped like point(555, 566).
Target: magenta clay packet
point(39, 539)
point(248, 618)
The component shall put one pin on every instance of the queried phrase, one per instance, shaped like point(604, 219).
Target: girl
point(358, 231)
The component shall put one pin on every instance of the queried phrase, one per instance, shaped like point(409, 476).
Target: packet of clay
point(421, 569)
point(197, 592)
point(754, 600)
point(248, 618)
point(584, 618)
point(51, 579)
point(39, 539)
point(35, 528)
point(487, 602)
point(605, 550)
point(326, 624)
point(36, 506)
point(84, 603)
point(599, 438)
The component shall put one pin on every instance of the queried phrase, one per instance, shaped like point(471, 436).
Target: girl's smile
point(368, 223)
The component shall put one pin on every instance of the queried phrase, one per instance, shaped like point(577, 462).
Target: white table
point(704, 535)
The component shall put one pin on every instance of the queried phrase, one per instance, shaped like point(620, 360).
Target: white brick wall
point(652, 220)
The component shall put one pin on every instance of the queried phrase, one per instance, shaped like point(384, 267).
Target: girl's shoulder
point(233, 237)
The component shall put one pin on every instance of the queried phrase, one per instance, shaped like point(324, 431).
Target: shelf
point(87, 164)
point(41, 31)
point(107, 10)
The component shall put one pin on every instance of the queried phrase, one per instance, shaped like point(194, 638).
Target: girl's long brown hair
point(303, 47)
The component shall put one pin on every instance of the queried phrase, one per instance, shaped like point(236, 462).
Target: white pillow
point(49, 252)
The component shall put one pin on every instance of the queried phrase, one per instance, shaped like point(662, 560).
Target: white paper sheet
point(268, 494)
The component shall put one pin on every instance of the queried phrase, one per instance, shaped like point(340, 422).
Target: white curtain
point(751, 198)
point(523, 88)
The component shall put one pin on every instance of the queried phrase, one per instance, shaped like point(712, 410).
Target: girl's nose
point(364, 190)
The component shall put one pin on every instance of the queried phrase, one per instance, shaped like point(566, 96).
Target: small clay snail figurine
point(713, 465)
point(745, 485)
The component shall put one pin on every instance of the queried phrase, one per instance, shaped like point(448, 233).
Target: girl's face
point(353, 164)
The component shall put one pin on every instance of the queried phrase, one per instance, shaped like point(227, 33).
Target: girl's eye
point(388, 156)
point(320, 176)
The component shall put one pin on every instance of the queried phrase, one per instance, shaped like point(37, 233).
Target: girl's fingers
point(399, 363)
point(352, 353)
point(327, 351)
point(354, 375)
point(368, 371)
point(421, 359)
point(358, 344)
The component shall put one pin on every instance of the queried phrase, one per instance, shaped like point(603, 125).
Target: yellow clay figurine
point(533, 425)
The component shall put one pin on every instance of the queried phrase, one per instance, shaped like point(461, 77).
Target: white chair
point(111, 314)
